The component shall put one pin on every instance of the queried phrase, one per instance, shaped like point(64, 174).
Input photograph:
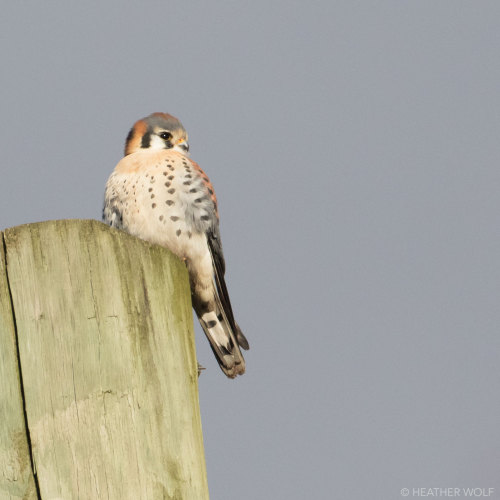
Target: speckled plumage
point(160, 195)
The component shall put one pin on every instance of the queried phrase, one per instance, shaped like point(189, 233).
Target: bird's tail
point(222, 331)
point(224, 340)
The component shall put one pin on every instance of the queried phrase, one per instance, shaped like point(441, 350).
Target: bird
point(157, 193)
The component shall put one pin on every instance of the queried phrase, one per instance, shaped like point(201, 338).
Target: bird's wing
point(219, 266)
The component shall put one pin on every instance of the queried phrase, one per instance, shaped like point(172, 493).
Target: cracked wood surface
point(16, 477)
point(105, 333)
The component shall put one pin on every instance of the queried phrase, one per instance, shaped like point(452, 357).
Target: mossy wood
point(98, 360)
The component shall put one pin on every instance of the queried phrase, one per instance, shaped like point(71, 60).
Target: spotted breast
point(162, 197)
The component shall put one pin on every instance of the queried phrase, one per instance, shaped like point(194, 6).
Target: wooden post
point(98, 373)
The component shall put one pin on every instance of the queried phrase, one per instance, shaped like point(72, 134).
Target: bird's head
point(155, 132)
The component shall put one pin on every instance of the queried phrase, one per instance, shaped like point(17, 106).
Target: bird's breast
point(164, 198)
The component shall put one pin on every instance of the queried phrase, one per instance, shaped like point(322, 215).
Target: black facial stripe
point(129, 136)
point(146, 140)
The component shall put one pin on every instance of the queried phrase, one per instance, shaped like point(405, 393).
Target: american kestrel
point(159, 194)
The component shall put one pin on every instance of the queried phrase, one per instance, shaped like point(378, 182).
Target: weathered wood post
point(98, 373)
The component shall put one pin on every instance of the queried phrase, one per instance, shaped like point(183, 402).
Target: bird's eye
point(166, 135)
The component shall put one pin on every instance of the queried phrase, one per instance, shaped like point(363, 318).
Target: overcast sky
point(354, 148)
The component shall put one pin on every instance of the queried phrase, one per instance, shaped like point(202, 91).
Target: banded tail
point(222, 331)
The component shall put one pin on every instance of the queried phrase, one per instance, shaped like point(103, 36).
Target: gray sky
point(354, 149)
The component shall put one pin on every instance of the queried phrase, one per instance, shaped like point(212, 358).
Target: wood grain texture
point(16, 477)
point(108, 363)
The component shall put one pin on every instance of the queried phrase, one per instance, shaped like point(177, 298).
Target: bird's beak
point(182, 146)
